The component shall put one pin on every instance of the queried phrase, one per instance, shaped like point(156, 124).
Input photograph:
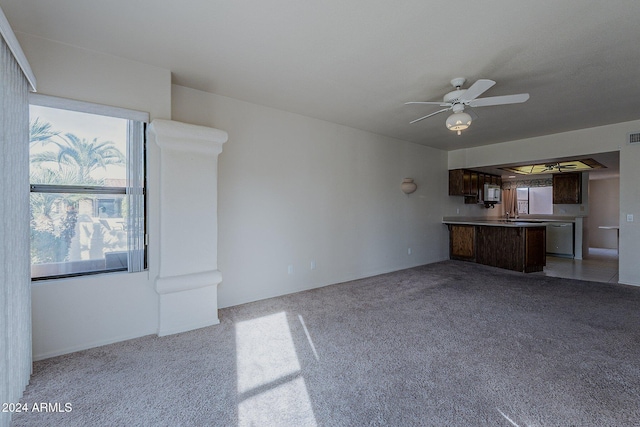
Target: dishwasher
point(560, 239)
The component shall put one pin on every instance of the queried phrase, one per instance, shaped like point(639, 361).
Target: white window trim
point(136, 259)
point(87, 107)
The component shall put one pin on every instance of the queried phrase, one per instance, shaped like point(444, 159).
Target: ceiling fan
point(559, 166)
point(459, 98)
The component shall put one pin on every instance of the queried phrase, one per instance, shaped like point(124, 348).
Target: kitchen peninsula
point(513, 245)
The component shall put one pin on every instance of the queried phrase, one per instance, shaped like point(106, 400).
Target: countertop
point(496, 223)
point(499, 222)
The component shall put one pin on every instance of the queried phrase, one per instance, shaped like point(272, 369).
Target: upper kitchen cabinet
point(468, 183)
point(567, 188)
point(460, 182)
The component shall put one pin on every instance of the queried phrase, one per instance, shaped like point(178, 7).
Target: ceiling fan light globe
point(458, 121)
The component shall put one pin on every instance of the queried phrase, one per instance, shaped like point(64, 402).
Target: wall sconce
point(408, 186)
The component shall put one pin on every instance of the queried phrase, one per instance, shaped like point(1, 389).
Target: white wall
point(293, 189)
point(580, 142)
point(85, 75)
point(79, 313)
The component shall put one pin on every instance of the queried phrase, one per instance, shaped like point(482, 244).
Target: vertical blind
point(15, 283)
point(135, 195)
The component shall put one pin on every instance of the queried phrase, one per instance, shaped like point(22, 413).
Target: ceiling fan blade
point(477, 89)
point(442, 104)
point(429, 115)
point(499, 100)
point(472, 113)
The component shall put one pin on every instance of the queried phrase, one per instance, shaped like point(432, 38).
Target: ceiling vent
point(634, 138)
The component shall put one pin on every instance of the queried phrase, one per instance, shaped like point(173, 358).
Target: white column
point(188, 274)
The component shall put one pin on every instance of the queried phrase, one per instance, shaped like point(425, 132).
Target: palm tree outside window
point(87, 188)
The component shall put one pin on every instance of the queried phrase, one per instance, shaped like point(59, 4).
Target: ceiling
point(357, 62)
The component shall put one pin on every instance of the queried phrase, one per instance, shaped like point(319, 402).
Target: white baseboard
point(87, 346)
point(621, 282)
point(343, 279)
point(187, 327)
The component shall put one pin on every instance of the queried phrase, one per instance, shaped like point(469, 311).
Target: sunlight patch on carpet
point(287, 404)
point(306, 332)
point(265, 351)
point(271, 388)
point(513, 423)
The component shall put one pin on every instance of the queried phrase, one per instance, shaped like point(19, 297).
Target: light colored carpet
point(452, 343)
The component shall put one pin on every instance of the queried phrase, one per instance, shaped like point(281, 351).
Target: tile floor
point(601, 265)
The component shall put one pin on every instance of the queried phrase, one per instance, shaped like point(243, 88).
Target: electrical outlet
point(290, 269)
point(409, 251)
point(312, 266)
point(629, 217)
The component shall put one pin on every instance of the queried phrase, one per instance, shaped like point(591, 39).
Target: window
point(541, 200)
point(87, 188)
point(523, 200)
point(535, 200)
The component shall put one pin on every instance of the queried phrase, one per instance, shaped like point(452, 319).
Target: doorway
point(600, 229)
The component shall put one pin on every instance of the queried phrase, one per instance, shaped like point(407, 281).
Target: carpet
point(450, 343)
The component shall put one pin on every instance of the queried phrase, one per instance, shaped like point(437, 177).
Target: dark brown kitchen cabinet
point(456, 185)
point(567, 188)
point(462, 242)
point(470, 184)
point(473, 194)
point(534, 258)
point(513, 248)
point(500, 247)
point(460, 182)
point(482, 178)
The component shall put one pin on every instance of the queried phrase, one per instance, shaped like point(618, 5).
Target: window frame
point(518, 200)
point(108, 111)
